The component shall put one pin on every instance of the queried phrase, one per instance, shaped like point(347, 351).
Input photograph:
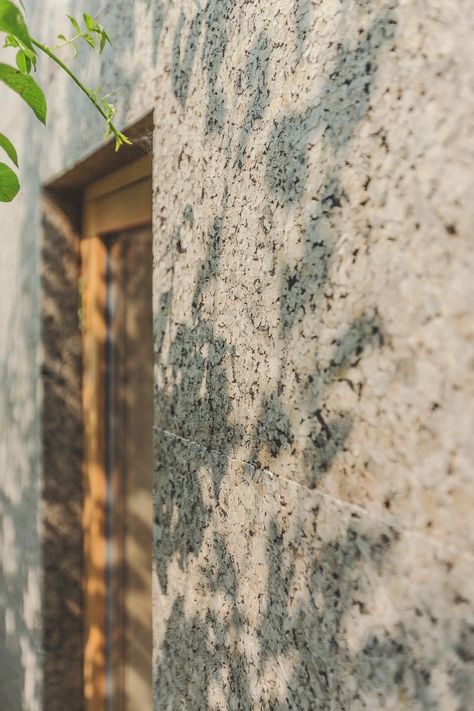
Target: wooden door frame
point(119, 201)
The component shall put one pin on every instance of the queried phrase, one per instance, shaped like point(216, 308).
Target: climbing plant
point(19, 79)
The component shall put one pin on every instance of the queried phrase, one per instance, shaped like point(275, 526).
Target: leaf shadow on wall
point(20, 559)
point(299, 646)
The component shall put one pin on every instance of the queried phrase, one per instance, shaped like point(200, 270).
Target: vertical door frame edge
point(119, 201)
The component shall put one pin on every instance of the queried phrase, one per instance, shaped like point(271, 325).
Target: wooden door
point(118, 423)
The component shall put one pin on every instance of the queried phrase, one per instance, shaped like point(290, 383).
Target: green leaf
point(12, 21)
point(90, 23)
point(27, 88)
point(9, 149)
point(11, 41)
point(30, 55)
point(75, 24)
point(23, 62)
point(63, 38)
point(90, 40)
point(9, 185)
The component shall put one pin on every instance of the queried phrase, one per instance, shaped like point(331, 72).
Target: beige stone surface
point(279, 597)
point(315, 353)
point(313, 306)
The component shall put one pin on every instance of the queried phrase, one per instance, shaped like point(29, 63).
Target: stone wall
point(314, 345)
point(314, 357)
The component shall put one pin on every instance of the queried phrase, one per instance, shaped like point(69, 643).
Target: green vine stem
point(120, 138)
point(72, 40)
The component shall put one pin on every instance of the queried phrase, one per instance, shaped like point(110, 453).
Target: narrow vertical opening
point(88, 212)
point(128, 466)
point(118, 426)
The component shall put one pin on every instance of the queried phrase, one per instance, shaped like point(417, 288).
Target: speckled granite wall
point(314, 356)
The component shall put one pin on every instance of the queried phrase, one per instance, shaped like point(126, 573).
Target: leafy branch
point(100, 102)
point(18, 79)
point(90, 29)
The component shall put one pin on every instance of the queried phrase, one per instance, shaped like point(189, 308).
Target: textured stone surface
point(280, 598)
point(314, 347)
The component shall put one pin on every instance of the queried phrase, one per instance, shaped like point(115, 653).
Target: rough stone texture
point(277, 598)
point(314, 357)
point(314, 345)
